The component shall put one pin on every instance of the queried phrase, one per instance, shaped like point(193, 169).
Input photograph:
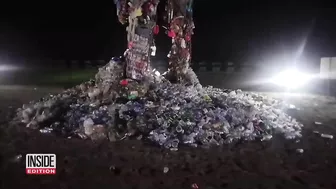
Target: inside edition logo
point(41, 164)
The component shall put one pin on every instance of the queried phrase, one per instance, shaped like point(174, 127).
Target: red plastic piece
point(124, 82)
point(188, 38)
point(156, 30)
point(171, 34)
point(130, 45)
point(150, 7)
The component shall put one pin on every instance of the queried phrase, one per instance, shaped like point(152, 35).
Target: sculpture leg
point(141, 18)
point(180, 30)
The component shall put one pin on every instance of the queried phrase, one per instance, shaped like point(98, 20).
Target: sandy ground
point(133, 164)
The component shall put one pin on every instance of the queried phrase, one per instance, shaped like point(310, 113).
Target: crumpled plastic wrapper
point(169, 115)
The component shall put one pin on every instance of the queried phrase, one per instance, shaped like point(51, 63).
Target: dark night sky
point(227, 30)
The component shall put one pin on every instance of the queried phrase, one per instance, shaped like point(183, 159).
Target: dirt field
point(132, 164)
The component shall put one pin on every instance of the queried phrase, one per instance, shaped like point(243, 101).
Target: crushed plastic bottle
point(46, 130)
point(299, 151)
point(165, 170)
point(88, 126)
point(327, 136)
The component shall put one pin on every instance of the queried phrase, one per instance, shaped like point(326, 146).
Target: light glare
point(291, 79)
point(7, 68)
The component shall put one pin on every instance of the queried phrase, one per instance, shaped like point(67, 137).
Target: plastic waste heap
point(129, 100)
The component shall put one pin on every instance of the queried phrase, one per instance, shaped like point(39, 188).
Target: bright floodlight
point(291, 79)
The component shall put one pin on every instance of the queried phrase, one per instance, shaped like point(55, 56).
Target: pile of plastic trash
point(167, 114)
